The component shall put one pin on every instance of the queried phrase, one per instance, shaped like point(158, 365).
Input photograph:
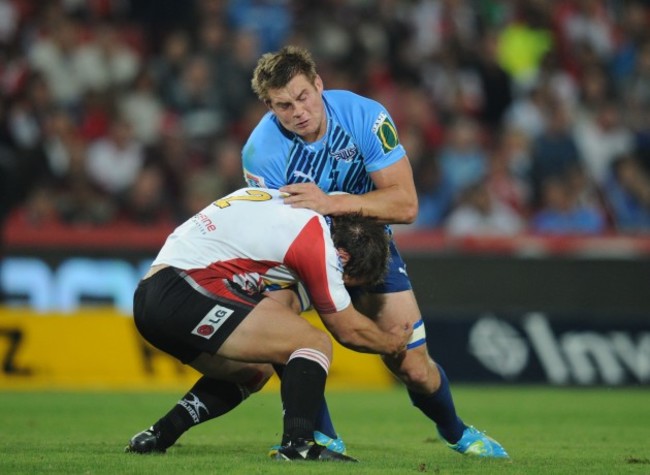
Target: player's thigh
point(397, 308)
point(270, 333)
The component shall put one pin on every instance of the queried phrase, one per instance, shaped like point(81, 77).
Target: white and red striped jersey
point(252, 238)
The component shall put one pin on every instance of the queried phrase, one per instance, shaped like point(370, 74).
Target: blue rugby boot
point(335, 445)
point(477, 444)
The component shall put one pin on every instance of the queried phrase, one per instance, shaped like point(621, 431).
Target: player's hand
point(307, 195)
point(400, 334)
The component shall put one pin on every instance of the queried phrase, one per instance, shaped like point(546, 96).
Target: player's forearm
point(356, 332)
point(370, 341)
point(391, 205)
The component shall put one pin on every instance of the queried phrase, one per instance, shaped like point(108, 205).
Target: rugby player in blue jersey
point(313, 142)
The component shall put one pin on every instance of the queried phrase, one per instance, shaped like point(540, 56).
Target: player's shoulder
point(355, 113)
point(348, 100)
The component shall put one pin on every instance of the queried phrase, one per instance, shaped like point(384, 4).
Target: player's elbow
point(409, 211)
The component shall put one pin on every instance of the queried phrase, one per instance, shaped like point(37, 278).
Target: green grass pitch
point(545, 430)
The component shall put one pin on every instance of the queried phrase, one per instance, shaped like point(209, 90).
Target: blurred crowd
point(519, 116)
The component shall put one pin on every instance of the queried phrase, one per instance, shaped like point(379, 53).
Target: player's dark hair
point(275, 70)
point(366, 240)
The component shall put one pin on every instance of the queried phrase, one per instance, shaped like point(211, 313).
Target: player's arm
point(357, 332)
point(394, 201)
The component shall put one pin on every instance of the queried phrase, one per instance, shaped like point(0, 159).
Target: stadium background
point(527, 124)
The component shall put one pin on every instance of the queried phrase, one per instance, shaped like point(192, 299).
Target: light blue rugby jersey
point(360, 139)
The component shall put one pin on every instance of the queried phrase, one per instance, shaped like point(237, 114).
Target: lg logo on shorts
point(209, 324)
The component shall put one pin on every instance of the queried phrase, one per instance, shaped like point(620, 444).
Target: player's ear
point(318, 84)
point(343, 255)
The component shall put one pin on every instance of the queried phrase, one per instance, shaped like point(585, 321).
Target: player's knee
point(419, 373)
point(318, 340)
point(417, 378)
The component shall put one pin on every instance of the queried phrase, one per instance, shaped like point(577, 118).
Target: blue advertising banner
point(537, 347)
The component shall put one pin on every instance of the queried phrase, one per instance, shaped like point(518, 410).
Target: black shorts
point(182, 319)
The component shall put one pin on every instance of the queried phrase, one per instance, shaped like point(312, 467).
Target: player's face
point(299, 107)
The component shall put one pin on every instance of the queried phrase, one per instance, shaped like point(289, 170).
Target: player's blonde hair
point(275, 70)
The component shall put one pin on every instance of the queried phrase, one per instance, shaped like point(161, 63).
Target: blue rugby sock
point(324, 422)
point(439, 407)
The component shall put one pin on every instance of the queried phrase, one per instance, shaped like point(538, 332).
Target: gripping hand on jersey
point(402, 333)
point(310, 196)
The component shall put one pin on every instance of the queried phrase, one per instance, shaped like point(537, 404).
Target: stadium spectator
point(561, 213)
point(271, 22)
point(46, 169)
point(585, 23)
point(167, 66)
point(105, 62)
point(9, 19)
point(435, 194)
point(560, 84)
point(177, 160)
point(627, 193)
point(632, 32)
point(602, 137)
point(229, 343)
point(478, 213)
point(141, 106)
point(53, 55)
point(502, 182)
point(495, 83)
point(144, 201)
point(454, 86)
point(234, 74)
point(79, 201)
point(463, 159)
point(225, 164)
point(515, 146)
point(197, 101)
point(524, 42)
point(596, 88)
point(93, 115)
point(115, 161)
point(526, 112)
point(554, 151)
point(439, 24)
point(634, 89)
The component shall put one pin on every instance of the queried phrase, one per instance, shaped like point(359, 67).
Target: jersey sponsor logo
point(254, 180)
point(203, 223)
point(347, 154)
point(386, 132)
point(209, 324)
